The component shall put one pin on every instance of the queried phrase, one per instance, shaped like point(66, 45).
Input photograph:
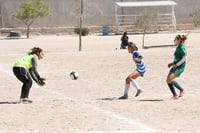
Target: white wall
point(96, 12)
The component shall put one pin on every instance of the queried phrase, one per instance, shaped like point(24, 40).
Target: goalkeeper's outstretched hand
point(41, 82)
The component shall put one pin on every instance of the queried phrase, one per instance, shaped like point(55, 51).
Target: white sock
point(135, 84)
point(126, 89)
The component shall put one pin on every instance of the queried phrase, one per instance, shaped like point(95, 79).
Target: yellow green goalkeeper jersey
point(25, 62)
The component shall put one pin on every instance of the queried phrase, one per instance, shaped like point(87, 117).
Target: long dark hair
point(35, 50)
point(132, 45)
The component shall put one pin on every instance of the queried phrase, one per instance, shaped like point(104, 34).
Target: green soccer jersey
point(179, 54)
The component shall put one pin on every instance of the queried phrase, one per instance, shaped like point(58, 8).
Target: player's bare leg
point(129, 79)
point(169, 80)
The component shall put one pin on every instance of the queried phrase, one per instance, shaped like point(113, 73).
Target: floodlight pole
point(173, 18)
point(80, 26)
point(122, 11)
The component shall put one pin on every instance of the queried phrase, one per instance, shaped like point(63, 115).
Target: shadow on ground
point(9, 102)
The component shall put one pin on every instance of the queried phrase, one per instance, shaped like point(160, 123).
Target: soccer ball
point(74, 75)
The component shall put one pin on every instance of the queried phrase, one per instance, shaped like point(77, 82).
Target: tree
point(81, 12)
point(31, 10)
point(146, 21)
point(196, 17)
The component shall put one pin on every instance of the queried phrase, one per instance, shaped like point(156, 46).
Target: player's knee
point(128, 79)
point(168, 81)
point(29, 83)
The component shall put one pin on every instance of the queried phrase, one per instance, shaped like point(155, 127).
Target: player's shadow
point(143, 100)
point(108, 98)
point(9, 102)
point(151, 100)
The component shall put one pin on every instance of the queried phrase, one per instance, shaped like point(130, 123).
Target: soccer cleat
point(181, 93)
point(20, 100)
point(138, 93)
point(174, 98)
point(124, 97)
point(26, 100)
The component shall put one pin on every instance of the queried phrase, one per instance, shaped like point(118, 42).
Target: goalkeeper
point(25, 68)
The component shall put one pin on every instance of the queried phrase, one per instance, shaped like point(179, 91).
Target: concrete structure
point(96, 13)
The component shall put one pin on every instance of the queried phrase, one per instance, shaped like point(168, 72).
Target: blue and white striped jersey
point(141, 68)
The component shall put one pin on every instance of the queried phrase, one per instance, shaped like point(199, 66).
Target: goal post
point(123, 18)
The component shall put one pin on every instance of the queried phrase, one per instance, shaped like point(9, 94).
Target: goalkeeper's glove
point(41, 82)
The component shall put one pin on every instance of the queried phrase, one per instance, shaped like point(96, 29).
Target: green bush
point(196, 18)
point(84, 31)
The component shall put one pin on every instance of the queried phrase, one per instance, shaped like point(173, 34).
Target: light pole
point(80, 26)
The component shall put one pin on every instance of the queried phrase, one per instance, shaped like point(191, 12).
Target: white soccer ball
point(74, 75)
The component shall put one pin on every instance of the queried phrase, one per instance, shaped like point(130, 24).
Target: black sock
point(171, 87)
point(177, 85)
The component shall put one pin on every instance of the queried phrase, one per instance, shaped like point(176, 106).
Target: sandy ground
point(89, 104)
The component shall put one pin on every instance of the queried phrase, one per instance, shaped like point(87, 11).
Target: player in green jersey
point(25, 68)
point(177, 66)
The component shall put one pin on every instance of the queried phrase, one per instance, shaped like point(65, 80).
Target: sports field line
point(138, 124)
point(141, 127)
point(7, 72)
point(119, 131)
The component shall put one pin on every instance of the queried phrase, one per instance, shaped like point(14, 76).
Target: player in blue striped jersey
point(140, 70)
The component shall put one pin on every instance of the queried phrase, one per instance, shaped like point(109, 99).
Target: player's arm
point(170, 64)
point(180, 62)
point(34, 77)
point(137, 57)
point(183, 54)
point(34, 67)
point(34, 73)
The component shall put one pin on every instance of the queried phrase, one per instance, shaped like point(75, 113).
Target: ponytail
point(182, 37)
point(35, 50)
point(132, 45)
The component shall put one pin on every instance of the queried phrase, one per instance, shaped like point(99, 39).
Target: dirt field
point(89, 104)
